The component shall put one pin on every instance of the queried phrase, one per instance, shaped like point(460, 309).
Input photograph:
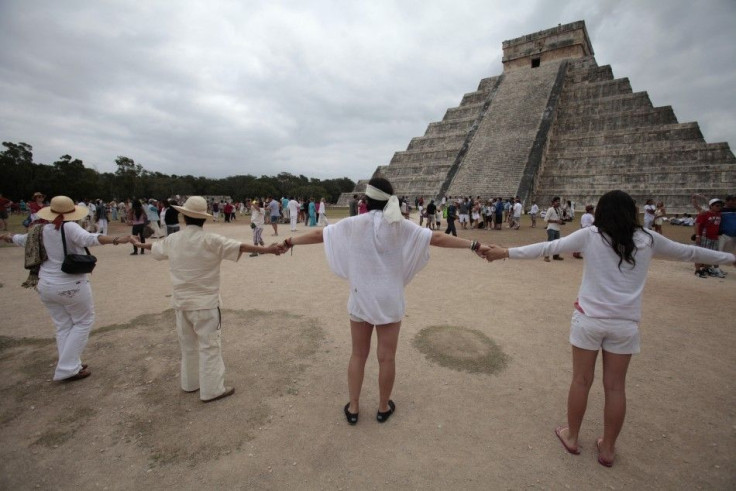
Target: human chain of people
point(378, 250)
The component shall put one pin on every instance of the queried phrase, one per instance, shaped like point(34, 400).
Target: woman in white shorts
point(617, 252)
point(379, 252)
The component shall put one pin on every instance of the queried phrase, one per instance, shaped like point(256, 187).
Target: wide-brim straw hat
point(194, 207)
point(63, 205)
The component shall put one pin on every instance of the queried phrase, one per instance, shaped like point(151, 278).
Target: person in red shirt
point(706, 235)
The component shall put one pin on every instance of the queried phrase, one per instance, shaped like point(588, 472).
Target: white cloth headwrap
point(392, 210)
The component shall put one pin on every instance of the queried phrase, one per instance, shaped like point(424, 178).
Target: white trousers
point(156, 229)
point(201, 354)
point(726, 243)
point(73, 312)
point(102, 226)
point(292, 219)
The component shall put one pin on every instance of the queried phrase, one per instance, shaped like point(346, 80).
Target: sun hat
point(63, 205)
point(194, 207)
point(714, 201)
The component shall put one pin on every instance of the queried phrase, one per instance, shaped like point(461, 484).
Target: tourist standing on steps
point(194, 263)
point(617, 252)
point(378, 253)
point(67, 297)
point(554, 220)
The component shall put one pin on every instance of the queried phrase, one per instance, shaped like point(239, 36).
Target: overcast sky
point(321, 88)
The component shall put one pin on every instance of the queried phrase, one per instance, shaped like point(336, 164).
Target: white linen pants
point(72, 310)
point(293, 218)
point(201, 354)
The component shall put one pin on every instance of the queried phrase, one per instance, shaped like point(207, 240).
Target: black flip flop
point(383, 417)
point(351, 417)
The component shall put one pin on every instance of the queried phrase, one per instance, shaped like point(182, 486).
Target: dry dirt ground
point(483, 370)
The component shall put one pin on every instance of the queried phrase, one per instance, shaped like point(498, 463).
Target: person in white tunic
point(67, 297)
point(379, 253)
point(617, 252)
point(194, 260)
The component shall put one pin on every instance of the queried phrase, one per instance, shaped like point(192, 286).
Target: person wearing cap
point(707, 226)
point(379, 253)
point(67, 297)
point(194, 264)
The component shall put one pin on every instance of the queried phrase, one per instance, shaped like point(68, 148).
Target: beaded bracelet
point(116, 241)
point(474, 246)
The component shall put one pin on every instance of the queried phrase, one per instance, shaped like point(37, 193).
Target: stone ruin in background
point(554, 123)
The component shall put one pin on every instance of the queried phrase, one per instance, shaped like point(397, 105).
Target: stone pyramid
point(554, 123)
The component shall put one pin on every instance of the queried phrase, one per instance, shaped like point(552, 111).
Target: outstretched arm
point(311, 237)
point(441, 239)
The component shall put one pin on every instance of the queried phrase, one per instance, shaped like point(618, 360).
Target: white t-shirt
point(293, 208)
point(194, 263)
point(517, 210)
point(607, 292)
point(534, 210)
point(552, 214)
point(379, 259)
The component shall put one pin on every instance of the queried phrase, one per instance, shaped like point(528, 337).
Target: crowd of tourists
point(379, 251)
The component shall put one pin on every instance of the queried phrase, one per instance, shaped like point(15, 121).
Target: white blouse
point(379, 259)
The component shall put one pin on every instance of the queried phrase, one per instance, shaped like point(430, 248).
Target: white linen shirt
point(606, 291)
point(379, 259)
point(76, 240)
point(194, 262)
point(552, 214)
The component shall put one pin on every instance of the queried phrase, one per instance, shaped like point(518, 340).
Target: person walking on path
point(617, 252)
point(378, 253)
point(194, 264)
point(451, 217)
point(67, 297)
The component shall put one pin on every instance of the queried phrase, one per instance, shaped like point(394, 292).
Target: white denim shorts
point(619, 336)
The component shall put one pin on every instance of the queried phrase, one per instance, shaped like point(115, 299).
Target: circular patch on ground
point(461, 349)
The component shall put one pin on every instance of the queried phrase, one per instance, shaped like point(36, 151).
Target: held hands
point(7, 237)
point(274, 248)
point(494, 253)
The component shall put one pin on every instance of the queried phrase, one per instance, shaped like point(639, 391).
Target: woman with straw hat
point(67, 297)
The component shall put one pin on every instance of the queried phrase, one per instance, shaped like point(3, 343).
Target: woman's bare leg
point(361, 335)
point(614, 385)
point(388, 339)
point(583, 372)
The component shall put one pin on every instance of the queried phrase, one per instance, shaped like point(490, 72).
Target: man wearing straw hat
point(194, 262)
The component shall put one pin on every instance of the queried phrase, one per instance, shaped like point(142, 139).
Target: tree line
point(21, 177)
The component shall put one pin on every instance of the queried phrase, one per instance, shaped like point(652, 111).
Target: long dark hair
point(137, 209)
point(616, 217)
point(383, 185)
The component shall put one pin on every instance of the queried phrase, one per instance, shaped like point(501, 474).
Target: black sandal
point(383, 417)
point(351, 417)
